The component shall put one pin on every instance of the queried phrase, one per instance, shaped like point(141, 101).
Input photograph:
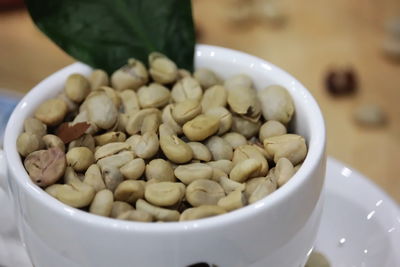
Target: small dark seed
point(341, 82)
point(199, 264)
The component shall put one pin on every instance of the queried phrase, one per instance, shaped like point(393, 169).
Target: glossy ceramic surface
point(276, 231)
point(348, 236)
point(360, 225)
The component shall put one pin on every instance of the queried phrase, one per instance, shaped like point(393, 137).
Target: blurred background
point(347, 53)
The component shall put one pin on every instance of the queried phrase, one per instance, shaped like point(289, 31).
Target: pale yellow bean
point(134, 169)
point(129, 191)
point(193, 171)
point(102, 203)
point(245, 170)
point(204, 192)
point(201, 212)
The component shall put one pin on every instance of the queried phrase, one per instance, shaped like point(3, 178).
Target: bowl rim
point(315, 155)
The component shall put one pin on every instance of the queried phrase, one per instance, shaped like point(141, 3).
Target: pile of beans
point(161, 144)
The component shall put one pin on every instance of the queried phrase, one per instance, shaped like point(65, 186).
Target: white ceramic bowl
point(277, 231)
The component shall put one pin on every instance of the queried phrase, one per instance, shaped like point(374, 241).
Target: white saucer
point(360, 225)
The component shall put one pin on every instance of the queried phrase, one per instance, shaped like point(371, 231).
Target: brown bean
point(46, 167)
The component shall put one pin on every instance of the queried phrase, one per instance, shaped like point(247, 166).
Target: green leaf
point(105, 33)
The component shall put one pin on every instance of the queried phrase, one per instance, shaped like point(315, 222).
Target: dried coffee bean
point(201, 212)
point(276, 104)
point(160, 214)
point(112, 177)
point(206, 77)
point(232, 201)
point(271, 128)
point(109, 137)
point(200, 151)
point(187, 88)
point(162, 69)
point(252, 184)
point(134, 169)
point(215, 96)
point(244, 170)
point(153, 96)
point(238, 81)
point(224, 117)
point(101, 110)
point(235, 139)
point(251, 152)
point(52, 111)
point(28, 143)
point(131, 76)
point(98, 78)
point(136, 121)
point(130, 101)
point(222, 164)
point(102, 203)
point(244, 101)
point(161, 170)
point(201, 127)
point(51, 140)
point(35, 126)
point(245, 126)
point(370, 115)
point(168, 119)
point(193, 171)
point(76, 194)
point(290, 146)
point(262, 190)
point(77, 87)
point(45, 167)
point(110, 149)
point(317, 259)
point(111, 93)
point(147, 145)
point(80, 158)
point(136, 216)
point(118, 208)
point(164, 193)
point(283, 171)
point(173, 147)
point(94, 178)
point(219, 148)
point(117, 160)
point(186, 110)
point(129, 191)
point(204, 192)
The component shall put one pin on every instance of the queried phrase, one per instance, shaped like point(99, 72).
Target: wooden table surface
point(317, 35)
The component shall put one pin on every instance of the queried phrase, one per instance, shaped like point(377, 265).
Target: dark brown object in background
point(199, 33)
point(8, 4)
point(202, 264)
point(341, 82)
